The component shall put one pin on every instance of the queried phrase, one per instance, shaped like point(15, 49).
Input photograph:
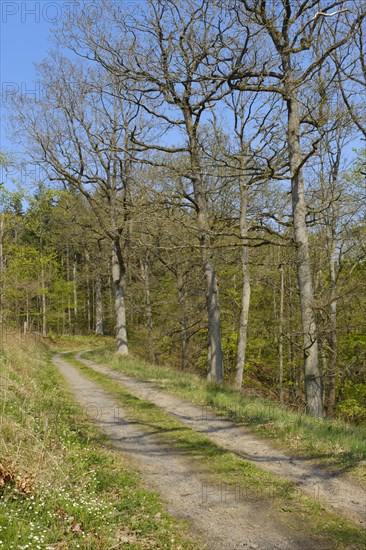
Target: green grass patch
point(222, 468)
point(61, 483)
point(333, 443)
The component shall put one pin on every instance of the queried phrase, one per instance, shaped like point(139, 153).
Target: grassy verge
point(223, 468)
point(332, 443)
point(61, 484)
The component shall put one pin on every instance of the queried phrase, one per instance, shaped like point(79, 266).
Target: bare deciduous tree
point(80, 135)
point(295, 39)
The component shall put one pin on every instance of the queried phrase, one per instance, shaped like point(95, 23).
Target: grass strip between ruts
point(288, 504)
point(332, 443)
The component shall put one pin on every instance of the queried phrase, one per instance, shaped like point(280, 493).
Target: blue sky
point(25, 32)
point(25, 27)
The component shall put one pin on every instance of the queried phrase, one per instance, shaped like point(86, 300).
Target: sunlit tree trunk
point(312, 379)
point(98, 307)
point(145, 275)
point(333, 340)
point(75, 295)
point(215, 370)
point(280, 331)
point(182, 298)
point(68, 289)
point(119, 289)
point(44, 302)
point(245, 290)
point(88, 303)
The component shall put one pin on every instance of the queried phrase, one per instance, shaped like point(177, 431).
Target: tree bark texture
point(119, 289)
point(312, 379)
point(182, 297)
point(215, 370)
point(145, 274)
point(245, 290)
point(98, 308)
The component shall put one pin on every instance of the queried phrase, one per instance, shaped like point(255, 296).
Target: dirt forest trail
point(228, 523)
point(339, 493)
point(218, 525)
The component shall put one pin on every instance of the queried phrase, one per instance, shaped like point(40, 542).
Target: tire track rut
point(341, 494)
point(220, 525)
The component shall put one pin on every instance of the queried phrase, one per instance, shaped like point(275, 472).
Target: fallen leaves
point(23, 482)
point(7, 475)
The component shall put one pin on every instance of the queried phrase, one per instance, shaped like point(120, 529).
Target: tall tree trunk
point(110, 297)
point(44, 303)
point(68, 288)
point(312, 379)
point(98, 307)
point(333, 341)
point(215, 354)
point(182, 298)
point(332, 248)
point(295, 387)
point(88, 303)
point(119, 283)
point(325, 368)
point(75, 295)
point(63, 315)
point(245, 290)
point(26, 324)
point(215, 369)
point(280, 331)
point(145, 275)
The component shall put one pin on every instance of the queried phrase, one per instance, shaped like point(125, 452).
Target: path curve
point(220, 525)
point(341, 494)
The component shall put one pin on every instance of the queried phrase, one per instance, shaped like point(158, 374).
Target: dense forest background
point(197, 194)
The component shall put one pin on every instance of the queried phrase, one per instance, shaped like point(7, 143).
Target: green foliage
point(48, 235)
point(229, 347)
point(354, 409)
point(353, 403)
